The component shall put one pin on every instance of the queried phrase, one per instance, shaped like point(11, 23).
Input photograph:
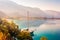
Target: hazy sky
point(42, 4)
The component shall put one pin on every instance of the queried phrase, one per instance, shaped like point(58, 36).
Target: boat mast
point(28, 19)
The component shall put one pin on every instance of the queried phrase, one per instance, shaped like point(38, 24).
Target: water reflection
point(47, 28)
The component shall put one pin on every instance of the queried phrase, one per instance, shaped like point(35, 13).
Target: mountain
point(13, 9)
point(2, 15)
point(53, 13)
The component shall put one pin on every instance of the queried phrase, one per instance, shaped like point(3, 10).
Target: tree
point(10, 31)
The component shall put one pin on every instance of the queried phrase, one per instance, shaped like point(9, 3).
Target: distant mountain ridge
point(14, 10)
point(52, 13)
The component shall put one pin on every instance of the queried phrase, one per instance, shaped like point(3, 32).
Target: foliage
point(43, 38)
point(10, 31)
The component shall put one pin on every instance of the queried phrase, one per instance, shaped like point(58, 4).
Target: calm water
point(43, 28)
point(32, 23)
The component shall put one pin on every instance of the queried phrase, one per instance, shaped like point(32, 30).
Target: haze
point(42, 4)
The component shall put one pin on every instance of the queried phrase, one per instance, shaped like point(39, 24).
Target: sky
point(42, 4)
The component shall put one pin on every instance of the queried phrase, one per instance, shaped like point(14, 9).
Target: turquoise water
point(55, 35)
point(48, 35)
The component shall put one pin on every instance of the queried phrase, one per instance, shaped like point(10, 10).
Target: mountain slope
point(2, 15)
point(10, 8)
point(53, 13)
point(14, 10)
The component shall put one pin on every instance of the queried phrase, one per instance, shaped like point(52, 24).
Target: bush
point(10, 31)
